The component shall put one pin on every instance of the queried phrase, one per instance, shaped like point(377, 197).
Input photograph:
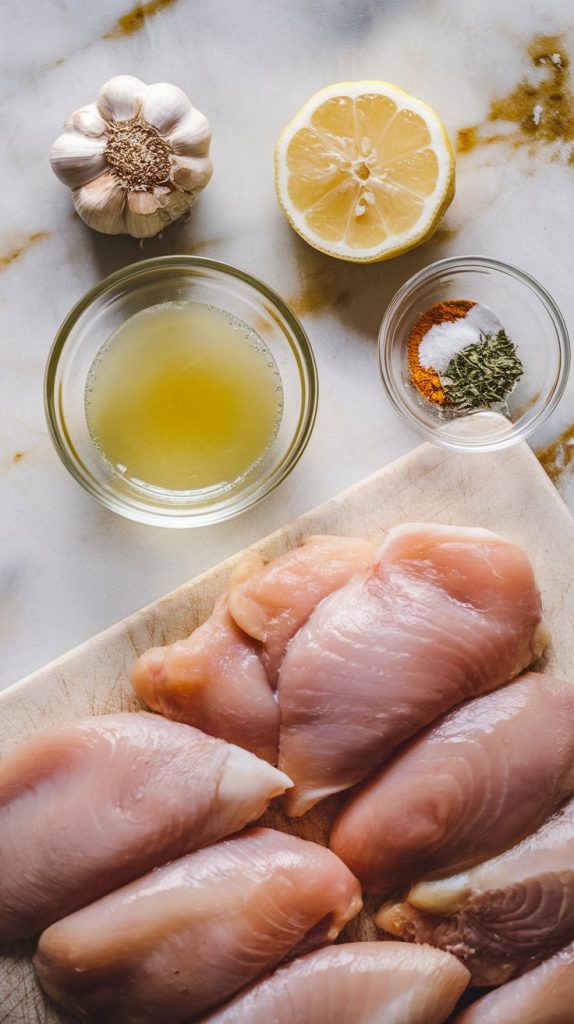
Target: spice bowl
point(531, 319)
point(249, 307)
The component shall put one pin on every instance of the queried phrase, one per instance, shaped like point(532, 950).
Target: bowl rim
point(513, 434)
point(301, 349)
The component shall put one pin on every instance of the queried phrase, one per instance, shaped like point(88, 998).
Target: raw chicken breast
point(185, 937)
point(501, 917)
point(86, 807)
point(214, 680)
point(469, 786)
point(543, 996)
point(446, 613)
point(358, 983)
point(271, 601)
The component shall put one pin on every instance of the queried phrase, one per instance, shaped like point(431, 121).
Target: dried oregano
point(482, 374)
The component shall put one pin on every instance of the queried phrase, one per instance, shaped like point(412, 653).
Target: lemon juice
point(183, 396)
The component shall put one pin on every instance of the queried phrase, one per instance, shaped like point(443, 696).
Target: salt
point(445, 340)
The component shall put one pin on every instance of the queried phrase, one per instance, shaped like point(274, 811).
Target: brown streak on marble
point(541, 111)
point(205, 245)
point(523, 409)
point(443, 233)
point(261, 324)
point(184, 248)
point(19, 250)
point(317, 295)
point(467, 139)
point(558, 458)
point(130, 23)
point(17, 456)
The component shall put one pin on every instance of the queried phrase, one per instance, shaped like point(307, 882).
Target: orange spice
point(426, 379)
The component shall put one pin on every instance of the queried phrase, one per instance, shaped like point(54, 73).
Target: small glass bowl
point(531, 319)
point(177, 279)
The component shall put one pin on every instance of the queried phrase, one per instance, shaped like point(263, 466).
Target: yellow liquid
point(183, 396)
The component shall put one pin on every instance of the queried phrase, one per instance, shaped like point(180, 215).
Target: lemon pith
point(364, 171)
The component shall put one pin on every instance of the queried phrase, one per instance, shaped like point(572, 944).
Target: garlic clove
point(191, 172)
point(143, 203)
point(191, 135)
point(88, 121)
point(120, 98)
point(139, 226)
point(77, 159)
point(142, 220)
point(164, 106)
point(173, 205)
point(101, 204)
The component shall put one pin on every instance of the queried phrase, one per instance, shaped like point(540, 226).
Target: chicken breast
point(86, 807)
point(543, 996)
point(479, 779)
point(446, 613)
point(501, 917)
point(358, 983)
point(187, 936)
point(214, 680)
point(271, 601)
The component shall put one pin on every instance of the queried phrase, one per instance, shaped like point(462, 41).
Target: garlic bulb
point(136, 159)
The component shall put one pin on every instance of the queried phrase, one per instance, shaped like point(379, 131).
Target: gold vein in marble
point(522, 410)
point(7, 258)
point(130, 23)
point(558, 458)
point(540, 111)
point(445, 233)
point(161, 245)
point(317, 293)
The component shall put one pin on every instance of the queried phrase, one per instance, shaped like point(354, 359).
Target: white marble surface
point(68, 567)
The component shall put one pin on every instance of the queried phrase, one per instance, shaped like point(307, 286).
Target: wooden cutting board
point(506, 491)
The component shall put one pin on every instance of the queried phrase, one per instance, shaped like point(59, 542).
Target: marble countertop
point(69, 568)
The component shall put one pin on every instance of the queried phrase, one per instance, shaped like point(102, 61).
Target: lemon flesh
point(364, 171)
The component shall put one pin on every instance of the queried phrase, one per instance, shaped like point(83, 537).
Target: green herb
point(482, 374)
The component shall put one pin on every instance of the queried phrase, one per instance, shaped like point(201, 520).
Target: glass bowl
point(532, 321)
point(177, 279)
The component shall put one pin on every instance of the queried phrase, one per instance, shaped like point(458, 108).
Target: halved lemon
point(364, 171)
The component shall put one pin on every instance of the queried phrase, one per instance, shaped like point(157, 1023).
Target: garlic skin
point(136, 159)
